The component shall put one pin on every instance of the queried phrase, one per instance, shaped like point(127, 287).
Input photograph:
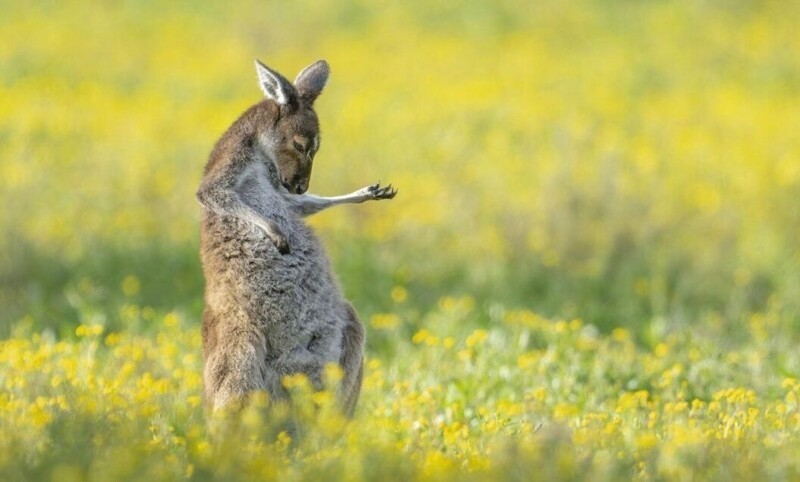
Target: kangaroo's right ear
point(274, 85)
point(310, 82)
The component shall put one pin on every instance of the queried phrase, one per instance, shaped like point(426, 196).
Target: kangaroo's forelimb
point(220, 194)
point(308, 204)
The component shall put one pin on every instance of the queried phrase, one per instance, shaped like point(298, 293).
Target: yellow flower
point(527, 360)
point(385, 321)
point(564, 411)
point(646, 441)
point(477, 337)
point(399, 294)
point(130, 285)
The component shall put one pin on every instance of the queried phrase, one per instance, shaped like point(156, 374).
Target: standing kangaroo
point(272, 306)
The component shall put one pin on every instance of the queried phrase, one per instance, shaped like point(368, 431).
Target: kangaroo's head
point(294, 138)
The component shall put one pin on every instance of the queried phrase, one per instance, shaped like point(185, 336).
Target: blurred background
point(631, 163)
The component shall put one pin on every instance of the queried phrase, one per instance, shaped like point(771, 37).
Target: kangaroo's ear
point(310, 82)
point(274, 85)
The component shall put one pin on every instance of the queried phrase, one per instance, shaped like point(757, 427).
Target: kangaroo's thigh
point(236, 367)
point(352, 362)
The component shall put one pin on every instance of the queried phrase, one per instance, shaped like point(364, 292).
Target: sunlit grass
point(530, 394)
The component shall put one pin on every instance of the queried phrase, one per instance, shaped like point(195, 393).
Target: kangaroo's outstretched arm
point(219, 192)
point(308, 204)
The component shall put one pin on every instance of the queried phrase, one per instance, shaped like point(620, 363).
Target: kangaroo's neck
point(268, 160)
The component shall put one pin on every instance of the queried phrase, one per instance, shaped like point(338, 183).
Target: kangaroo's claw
point(386, 193)
point(280, 242)
point(375, 191)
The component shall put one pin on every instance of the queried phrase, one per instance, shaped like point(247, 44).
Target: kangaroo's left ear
point(274, 85)
point(310, 82)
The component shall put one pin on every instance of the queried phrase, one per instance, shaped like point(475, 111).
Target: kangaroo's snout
point(296, 186)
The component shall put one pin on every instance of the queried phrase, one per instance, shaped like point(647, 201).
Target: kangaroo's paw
point(375, 191)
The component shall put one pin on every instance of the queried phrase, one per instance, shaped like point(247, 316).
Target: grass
point(631, 166)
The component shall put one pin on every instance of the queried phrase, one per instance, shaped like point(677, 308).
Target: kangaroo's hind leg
point(352, 362)
point(235, 367)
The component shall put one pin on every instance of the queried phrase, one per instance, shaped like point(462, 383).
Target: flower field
point(591, 270)
point(529, 399)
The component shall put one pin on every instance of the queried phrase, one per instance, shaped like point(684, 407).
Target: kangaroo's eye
point(299, 147)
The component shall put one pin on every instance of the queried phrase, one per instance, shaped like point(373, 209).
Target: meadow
point(590, 271)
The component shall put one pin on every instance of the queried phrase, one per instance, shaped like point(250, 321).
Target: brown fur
point(273, 307)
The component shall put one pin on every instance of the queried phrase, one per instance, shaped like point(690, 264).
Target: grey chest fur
point(292, 299)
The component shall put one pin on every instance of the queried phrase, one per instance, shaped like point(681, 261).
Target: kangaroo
point(272, 305)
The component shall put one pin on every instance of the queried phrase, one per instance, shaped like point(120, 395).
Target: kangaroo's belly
point(291, 299)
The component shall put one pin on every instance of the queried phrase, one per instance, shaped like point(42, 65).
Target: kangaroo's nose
point(302, 187)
